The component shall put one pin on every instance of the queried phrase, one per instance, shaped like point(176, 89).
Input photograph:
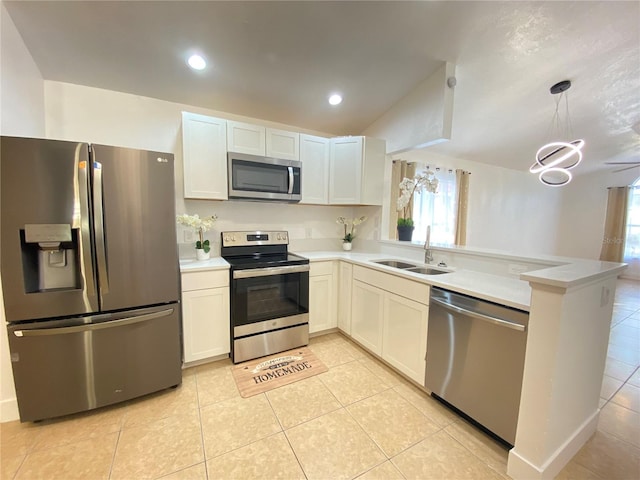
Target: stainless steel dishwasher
point(475, 359)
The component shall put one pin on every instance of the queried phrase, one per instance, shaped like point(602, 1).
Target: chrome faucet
point(428, 255)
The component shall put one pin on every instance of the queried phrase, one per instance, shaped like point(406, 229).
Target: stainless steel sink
point(426, 270)
point(396, 264)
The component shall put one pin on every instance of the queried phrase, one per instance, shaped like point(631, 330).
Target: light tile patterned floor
point(359, 419)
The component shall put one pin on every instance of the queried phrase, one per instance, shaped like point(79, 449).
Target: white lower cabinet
point(322, 297)
point(345, 280)
point(367, 305)
point(404, 335)
point(205, 315)
point(389, 317)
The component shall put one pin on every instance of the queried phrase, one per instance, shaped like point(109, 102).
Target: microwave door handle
point(101, 250)
point(290, 180)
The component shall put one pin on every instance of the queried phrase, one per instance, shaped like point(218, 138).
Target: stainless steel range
point(269, 294)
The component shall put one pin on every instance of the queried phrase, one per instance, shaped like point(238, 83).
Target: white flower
point(196, 222)
point(200, 225)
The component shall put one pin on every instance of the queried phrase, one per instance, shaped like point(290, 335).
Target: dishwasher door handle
point(496, 321)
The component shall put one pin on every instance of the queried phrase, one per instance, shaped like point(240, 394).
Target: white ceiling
point(279, 61)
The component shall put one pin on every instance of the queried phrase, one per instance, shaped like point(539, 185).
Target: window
point(437, 210)
point(632, 237)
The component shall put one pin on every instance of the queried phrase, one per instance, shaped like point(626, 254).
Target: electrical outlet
point(189, 236)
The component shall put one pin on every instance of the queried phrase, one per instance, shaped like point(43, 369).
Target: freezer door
point(135, 231)
point(44, 195)
point(63, 367)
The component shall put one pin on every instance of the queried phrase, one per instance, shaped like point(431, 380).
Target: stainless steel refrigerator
point(90, 274)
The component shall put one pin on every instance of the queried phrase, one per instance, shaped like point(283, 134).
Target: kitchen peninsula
point(570, 303)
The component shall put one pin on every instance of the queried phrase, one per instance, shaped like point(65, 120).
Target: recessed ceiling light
point(197, 62)
point(335, 99)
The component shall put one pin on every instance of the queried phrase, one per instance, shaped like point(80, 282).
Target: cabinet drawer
point(320, 268)
point(416, 291)
point(202, 280)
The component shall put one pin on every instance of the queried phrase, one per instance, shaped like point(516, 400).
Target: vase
point(346, 246)
point(201, 254)
point(405, 233)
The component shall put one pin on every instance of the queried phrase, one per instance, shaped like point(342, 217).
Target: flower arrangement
point(408, 186)
point(200, 225)
point(350, 235)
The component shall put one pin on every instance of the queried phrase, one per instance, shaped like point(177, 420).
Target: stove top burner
point(258, 249)
point(265, 261)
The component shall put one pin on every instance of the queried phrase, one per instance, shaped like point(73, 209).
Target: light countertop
point(494, 288)
point(513, 292)
point(193, 265)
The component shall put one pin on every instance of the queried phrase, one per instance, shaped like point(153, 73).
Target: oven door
point(254, 177)
point(263, 295)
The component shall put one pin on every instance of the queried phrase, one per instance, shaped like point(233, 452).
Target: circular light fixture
point(197, 62)
point(555, 159)
point(555, 177)
point(553, 154)
point(335, 99)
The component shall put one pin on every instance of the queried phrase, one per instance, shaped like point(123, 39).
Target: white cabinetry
point(314, 155)
point(389, 316)
point(283, 144)
point(246, 138)
point(205, 314)
point(404, 335)
point(356, 171)
point(204, 156)
point(322, 296)
point(345, 277)
point(366, 315)
point(258, 140)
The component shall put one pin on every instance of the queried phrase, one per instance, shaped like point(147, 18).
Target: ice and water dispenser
point(50, 257)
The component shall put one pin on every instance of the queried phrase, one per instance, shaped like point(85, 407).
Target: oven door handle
point(265, 272)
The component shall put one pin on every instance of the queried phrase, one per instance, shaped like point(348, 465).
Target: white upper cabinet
point(283, 144)
point(356, 171)
point(246, 138)
point(314, 155)
point(204, 156)
point(258, 140)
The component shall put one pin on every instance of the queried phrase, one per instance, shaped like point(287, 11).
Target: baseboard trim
point(519, 468)
point(9, 410)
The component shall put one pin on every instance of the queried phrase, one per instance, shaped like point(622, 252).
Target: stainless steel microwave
point(252, 177)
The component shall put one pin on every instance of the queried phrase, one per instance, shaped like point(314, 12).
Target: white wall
point(21, 114)
point(21, 85)
point(75, 112)
point(583, 213)
point(508, 210)
point(423, 117)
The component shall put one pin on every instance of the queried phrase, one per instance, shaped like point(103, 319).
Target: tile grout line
point(284, 432)
point(204, 451)
point(115, 450)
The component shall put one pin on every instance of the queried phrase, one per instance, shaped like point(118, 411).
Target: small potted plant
point(201, 225)
point(408, 186)
point(349, 233)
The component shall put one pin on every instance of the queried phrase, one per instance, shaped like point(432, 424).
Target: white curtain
point(437, 210)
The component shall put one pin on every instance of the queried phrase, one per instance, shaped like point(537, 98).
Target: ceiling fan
point(631, 164)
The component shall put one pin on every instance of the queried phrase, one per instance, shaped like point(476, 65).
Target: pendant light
point(556, 158)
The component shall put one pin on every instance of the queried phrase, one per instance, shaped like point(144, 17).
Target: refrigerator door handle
point(88, 327)
point(101, 250)
point(82, 199)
